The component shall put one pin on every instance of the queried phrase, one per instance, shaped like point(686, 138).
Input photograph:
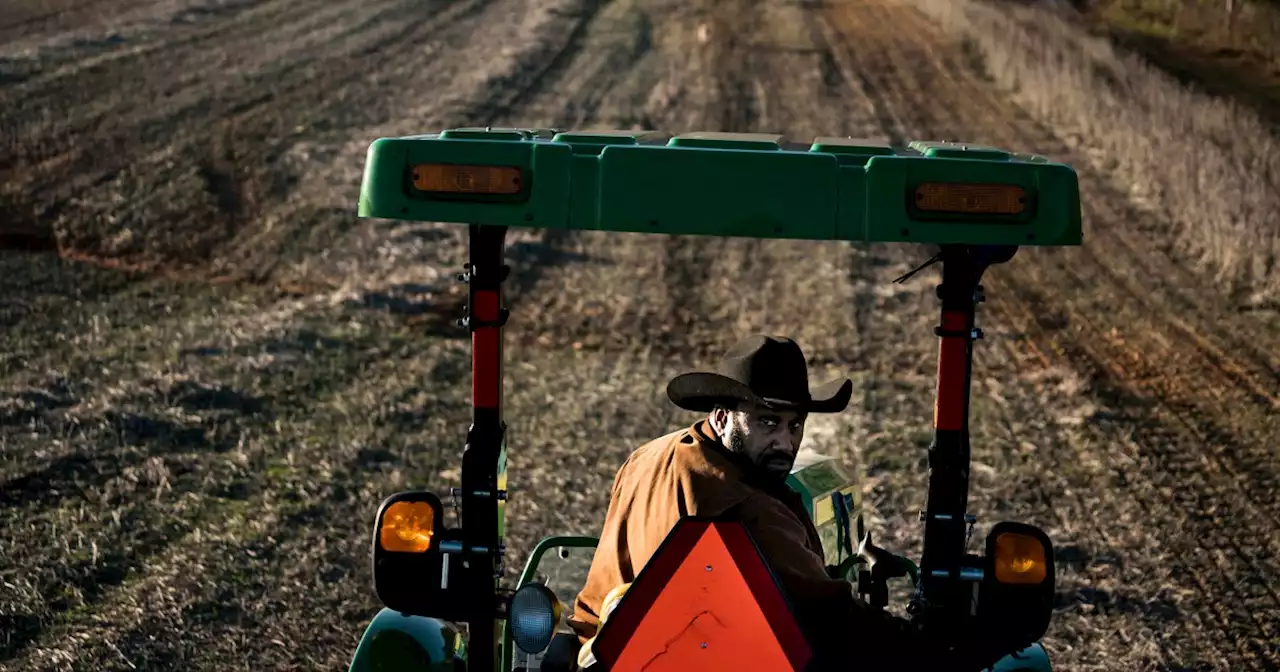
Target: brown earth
point(188, 468)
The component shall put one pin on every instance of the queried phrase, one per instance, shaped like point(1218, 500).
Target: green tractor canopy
point(724, 184)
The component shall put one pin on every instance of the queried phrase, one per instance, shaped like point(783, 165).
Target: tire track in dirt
point(336, 185)
point(525, 88)
point(40, 57)
point(195, 517)
point(760, 71)
point(490, 104)
point(930, 71)
point(25, 19)
point(193, 177)
point(167, 477)
point(896, 102)
point(83, 86)
point(1098, 591)
point(695, 272)
point(1215, 404)
point(1192, 516)
point(293, 542)
point(457, 35)
point(891, 326)
point(564, 290)
point(158, 577)
point(142, 169)
point(1168, 384)
point(563, 94)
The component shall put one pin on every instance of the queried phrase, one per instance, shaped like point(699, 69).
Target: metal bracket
point(466, 322)
point(974, 335)
point(500, 495)
point(968, 517)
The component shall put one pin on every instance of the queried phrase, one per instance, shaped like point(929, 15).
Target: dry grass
point(1208, 166)
point(1242, 25)
point(1239, 35)
point(1228, 48)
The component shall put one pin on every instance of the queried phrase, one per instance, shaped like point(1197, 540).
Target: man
point(738, 456)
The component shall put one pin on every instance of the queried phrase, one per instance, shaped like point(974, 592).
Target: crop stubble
point(223, 523)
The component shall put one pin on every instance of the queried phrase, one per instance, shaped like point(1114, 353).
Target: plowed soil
point(209, 391)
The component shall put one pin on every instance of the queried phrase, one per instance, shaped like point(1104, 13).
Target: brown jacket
point(689, 472)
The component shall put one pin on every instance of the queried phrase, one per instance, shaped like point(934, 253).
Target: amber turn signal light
point(407, 527)
point(1019, 559)
point(447, 178)
point(971, 199)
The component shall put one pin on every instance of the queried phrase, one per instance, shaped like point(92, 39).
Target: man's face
point(768, 438)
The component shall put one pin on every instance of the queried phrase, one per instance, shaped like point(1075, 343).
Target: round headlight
point(533, 617)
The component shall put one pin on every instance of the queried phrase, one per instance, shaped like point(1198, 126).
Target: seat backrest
point(705, 600)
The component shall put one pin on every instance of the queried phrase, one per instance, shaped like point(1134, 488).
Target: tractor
point(445, 607)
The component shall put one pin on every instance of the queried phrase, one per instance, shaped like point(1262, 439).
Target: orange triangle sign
point(705, 601)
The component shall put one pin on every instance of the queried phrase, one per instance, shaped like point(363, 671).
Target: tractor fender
point(396, 642)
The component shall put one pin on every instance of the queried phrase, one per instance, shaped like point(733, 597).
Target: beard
point(773, 465)
point(776, 465)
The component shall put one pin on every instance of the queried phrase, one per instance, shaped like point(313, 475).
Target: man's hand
point(843, 570)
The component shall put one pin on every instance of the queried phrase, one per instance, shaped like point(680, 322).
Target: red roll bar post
point(484, 458)
point(943, 598)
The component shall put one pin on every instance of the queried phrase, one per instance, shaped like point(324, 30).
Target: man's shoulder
point(669, 440)
point(682, 455)
point(682, 465)
point(664, 445)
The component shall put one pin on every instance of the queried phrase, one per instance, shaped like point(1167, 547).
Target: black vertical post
point(484, 460)
point(945, 525)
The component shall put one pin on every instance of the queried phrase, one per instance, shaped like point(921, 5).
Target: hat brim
point(702, 391)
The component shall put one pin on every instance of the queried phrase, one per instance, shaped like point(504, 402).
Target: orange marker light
point(444, 178)
point(1019, 559)
point(971, 199)
point(407, 527)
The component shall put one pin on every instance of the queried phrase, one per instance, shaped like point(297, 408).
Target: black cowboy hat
point(767, 371)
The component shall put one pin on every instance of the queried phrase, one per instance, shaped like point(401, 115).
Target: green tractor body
point(445, 607)
point(831, 495)
point(395, 641)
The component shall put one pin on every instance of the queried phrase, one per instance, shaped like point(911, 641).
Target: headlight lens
point(533, 617)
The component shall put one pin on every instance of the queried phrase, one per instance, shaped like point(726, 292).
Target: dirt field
point(190, 459)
